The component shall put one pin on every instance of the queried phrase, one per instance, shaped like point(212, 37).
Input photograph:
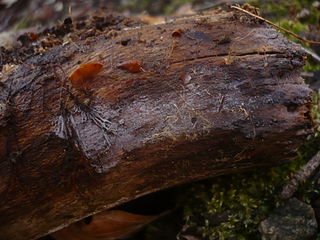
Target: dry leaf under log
point(107, 225)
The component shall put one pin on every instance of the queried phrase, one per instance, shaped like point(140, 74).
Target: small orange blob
point(33, 37)
point(133, 65)
point(85, 72)
point(177, 33)
point(186, 78)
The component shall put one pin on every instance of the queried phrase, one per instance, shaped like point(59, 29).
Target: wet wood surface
point(195, 97)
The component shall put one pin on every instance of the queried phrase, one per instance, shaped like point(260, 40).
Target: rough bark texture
point(219, 93)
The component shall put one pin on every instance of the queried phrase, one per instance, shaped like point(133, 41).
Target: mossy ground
point(248, 198)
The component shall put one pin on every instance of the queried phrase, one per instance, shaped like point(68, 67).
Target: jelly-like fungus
point(134, 65)
point(85, 72)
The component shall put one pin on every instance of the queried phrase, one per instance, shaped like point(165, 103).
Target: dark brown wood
point(216, 94)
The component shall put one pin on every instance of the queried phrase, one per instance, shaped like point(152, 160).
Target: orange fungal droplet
point(85, 72)
point(177, 33)
point(133, 65)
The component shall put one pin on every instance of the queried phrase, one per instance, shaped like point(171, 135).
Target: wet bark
point(216, 94)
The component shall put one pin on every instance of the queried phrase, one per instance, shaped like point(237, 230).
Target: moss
point(24, 23)
point(135, 5)
point(311, 66)
point(247, 199)
point(284, 14)
point(293, 26)
point(283, 9)
point(174, 4)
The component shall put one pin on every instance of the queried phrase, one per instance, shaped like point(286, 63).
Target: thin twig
point(276, 26)
point(312, 54)
point(300, 177)
point(221, 103)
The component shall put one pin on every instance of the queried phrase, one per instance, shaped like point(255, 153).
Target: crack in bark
point(271, 53)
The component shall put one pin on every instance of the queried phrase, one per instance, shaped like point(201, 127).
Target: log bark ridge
point(217, 93)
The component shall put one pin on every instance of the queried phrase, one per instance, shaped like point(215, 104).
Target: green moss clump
point(245, 198)
point(311, 66)
point(293, 26)
point(174, 4)
point(24, 23)
point(135, 5)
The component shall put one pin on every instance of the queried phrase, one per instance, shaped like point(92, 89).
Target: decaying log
point(215, 94)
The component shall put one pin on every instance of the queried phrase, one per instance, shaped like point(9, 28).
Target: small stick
point(276, 26)
point(300, 177)
point(312, 54)
point(221, 103)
